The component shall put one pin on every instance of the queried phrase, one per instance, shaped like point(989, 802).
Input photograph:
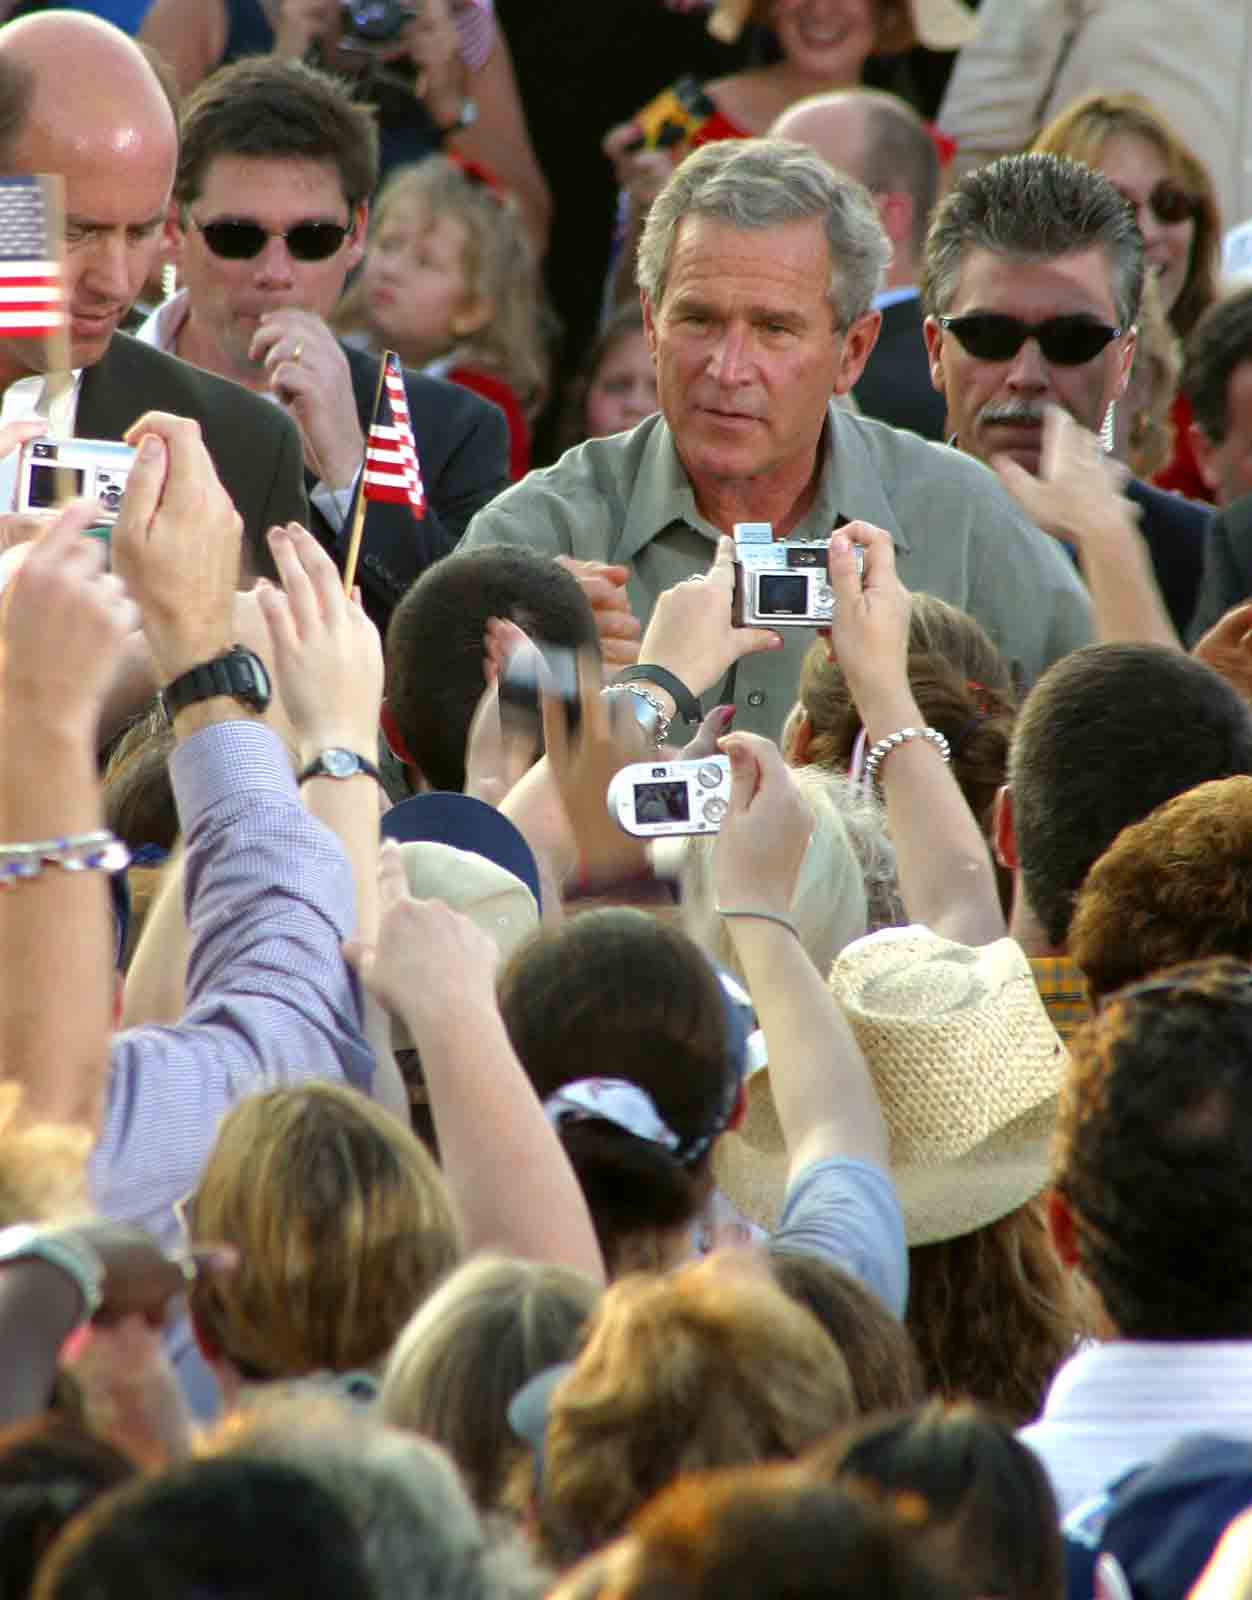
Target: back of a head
point(878, 1349)
point(613, 994)
point(1108, 734)
point(51, 1469)
point(1153, 1153)
point(764, 1534)
point(419, 1533)
point(484, 1333)
point(267, 108)
point(1028, 208)
point(1170, 889)
point(756, 184)
point(992, 1515)
point(227, 1528)
point(342, 1224)
point(435, 644)
point(681, 1373)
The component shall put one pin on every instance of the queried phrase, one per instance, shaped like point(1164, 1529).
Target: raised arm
point(510, 1180)
point(942, 862)
point(62, 630)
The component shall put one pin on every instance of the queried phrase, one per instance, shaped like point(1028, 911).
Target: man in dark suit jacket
point(1227, 576)
point(114, 145)
point(275, 170)
point(884, 144)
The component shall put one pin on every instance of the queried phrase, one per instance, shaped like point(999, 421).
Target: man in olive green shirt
point(752, 334)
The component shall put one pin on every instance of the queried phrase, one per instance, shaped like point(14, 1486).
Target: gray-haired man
point(756, 269)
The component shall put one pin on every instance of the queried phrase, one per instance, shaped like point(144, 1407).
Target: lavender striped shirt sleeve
point(269, 997)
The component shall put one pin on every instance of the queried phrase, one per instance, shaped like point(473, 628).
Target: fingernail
point(150, 448)
point(724, 714)
point(840, 544)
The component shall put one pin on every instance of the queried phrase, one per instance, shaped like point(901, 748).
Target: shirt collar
point(160, 328)
point(895, 297)
point(850, 487)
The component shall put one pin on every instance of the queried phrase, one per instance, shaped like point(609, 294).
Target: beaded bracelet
point(81, 852)
point(879, 752)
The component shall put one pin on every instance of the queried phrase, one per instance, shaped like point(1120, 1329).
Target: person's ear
point(1062, 1230)
point(649, 323)
point(1003, 832)
point(933, 335)
point(1205, 453)
point(1126, 361)
point(858, 345)
point(473, 315)
point(895, 212)
point(356, 239)
point(797, 736)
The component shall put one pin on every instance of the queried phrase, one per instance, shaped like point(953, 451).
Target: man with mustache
point(757, 270)
point(1031, 280)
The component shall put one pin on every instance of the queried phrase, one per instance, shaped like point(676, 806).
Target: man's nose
point(274, 266)
point(108, 275)
point(1028, 369)
point(728, 362)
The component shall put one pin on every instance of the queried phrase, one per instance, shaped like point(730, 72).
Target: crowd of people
point(417, 1183)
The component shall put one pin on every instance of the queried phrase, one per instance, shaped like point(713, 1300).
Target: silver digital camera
point(97, 468)
point(782, 583)
point(655, 799)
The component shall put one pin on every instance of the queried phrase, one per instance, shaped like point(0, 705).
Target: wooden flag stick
point(57, 343)
point(358, 509)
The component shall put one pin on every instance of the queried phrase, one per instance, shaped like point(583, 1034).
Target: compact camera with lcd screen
point(782, 583)
point(373, 24)
point(97, 468)
point(657, 798)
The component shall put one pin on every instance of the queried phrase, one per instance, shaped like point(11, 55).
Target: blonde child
point(450, 284)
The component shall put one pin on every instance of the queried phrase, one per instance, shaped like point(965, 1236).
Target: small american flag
point(392, 471)
point(32, 302)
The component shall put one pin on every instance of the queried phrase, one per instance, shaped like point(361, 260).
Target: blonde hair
point(43, 1165)
point(829, 903)
point(500, 268)
point(463, 1355)
point(681, 1373)
point(342, 1224)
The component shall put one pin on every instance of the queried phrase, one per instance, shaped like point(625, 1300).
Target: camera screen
point(662, 802)
point(782, 594)
point(43, 485)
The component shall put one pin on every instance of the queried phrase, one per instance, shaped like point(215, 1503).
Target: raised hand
point(765, 833)
point(308, 372)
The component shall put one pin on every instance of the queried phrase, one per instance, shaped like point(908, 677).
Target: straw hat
point(967, 1067)
point(937, 24)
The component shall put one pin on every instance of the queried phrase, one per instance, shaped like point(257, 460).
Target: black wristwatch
point(335, 762)
point(239, 673)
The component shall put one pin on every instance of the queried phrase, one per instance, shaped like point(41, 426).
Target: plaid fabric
point(1063, 991)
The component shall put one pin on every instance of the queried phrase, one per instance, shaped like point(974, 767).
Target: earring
point(1106, 429)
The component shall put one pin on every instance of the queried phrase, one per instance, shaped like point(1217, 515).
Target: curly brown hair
point(1153, 1153)
point(993, 1313)
point(1169, 889)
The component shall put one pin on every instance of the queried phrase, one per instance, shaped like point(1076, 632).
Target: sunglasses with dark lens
point(1064, 341)
point(1168, 202)
point(236, 240)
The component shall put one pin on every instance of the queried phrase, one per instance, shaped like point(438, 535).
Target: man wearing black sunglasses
point(1032, 280)
point(275, 170)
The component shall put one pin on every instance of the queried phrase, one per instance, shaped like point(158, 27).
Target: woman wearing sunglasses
point(1175, 203)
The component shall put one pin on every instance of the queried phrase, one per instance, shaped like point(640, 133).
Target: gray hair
point(420, 1534)
point(756, 184)
point(1033, 207)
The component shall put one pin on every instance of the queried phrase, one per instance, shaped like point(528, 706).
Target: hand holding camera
point(758, 855)
point(299, 24)
point(869, 630)
point(692, 633)
point(661, 799)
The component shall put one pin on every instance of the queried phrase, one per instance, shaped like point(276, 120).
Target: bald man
point(78, 99)
point(879, 140)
